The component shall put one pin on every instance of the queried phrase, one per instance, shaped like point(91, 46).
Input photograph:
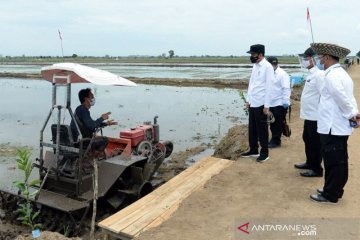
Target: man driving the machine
point(86, 124)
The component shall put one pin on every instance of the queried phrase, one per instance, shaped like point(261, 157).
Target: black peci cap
point(273, 60)
point(257, 48)
point(308, 53)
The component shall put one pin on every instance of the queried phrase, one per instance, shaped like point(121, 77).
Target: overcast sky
point(189, 27)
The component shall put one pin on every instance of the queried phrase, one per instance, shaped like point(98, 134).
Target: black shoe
point(320, 199)
point(311, 173)
point(273, 145)
point(262, 158)
point(249, 154)
point(301, 166)
point(321, 191)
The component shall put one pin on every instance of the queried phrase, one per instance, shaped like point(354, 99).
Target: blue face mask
point(92, 102)
point(319, 65)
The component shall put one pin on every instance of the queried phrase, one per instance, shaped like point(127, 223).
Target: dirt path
point(273, 189)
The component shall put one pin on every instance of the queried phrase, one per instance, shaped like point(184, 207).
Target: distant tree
point(74, 55)
point(107, 56)
point(171, 53)
point(163, 55)
point(358, 54)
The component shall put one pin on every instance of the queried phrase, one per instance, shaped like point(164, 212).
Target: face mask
point(305, 63)
point(254, 59)
point(92, 102)
point(319, 65)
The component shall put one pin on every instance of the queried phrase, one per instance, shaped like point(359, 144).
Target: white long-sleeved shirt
point(337, 103)
point(310, 96)
point(281, 91)
point(260, 84)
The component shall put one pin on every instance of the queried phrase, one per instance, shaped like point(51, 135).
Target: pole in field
point(62, 50)
point(309, 20)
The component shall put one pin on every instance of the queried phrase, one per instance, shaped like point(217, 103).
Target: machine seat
point(66, 138)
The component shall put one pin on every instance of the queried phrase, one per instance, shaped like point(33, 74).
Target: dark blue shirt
point(86, 124)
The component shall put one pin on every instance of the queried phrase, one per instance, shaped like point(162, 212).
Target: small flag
point(308, 14)
point(60, 35)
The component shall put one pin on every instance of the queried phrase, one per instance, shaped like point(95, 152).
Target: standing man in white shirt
point(337, 108)
point(310, 99)
point(280, 102)
point(258, 102)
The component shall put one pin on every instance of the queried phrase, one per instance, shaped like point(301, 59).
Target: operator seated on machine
point(86, 124)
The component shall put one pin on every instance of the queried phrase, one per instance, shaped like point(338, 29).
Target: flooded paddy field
point(178, 71)
point(187, 116)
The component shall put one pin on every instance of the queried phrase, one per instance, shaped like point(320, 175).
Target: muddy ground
point(248, 190)
point(181, 82)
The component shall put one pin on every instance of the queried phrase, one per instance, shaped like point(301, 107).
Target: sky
point(189, 27)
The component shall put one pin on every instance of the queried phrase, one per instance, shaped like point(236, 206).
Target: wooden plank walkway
point(156, 207)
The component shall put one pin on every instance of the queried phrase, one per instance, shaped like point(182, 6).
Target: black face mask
point(254, 59)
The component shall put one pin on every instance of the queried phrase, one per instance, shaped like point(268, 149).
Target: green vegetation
point(242, 96)
point(26, 215)
point(138, 59)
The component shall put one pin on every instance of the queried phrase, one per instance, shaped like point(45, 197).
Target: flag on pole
point(309, 20)
point(308, 14)
point(60, 35)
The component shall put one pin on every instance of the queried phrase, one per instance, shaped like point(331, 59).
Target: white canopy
point(83, 74)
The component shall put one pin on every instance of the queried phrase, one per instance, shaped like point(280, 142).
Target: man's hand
point(266, 111)
point(246, 105)
point(105, 115)
point(111, 122)
point(285, 105)
point(357, 119)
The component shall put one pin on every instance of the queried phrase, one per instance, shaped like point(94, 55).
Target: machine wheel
point(169, 148)
point(144, 149)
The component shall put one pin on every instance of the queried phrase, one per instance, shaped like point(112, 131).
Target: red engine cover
point(137, 134)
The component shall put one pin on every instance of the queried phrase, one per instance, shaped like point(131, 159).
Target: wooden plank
point(150, 197)
point(175, 198)
point(136, 212)
point(155, 194)
point(167, 214)
point(158, 206)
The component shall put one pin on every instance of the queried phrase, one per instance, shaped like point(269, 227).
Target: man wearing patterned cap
point(338, 113)
point(310, 98)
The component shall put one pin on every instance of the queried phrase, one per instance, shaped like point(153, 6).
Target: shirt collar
point(332, 67)
point(313, 69)
point(261, 62)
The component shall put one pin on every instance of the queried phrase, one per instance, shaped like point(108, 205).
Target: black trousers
point(312, 146)
point(335, 154)
point(277, 127)
point(258, 130)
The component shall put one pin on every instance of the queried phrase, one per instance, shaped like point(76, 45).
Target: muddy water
point(187, 116)
point(194, 71)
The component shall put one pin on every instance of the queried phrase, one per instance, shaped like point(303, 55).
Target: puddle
point(193, 159)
